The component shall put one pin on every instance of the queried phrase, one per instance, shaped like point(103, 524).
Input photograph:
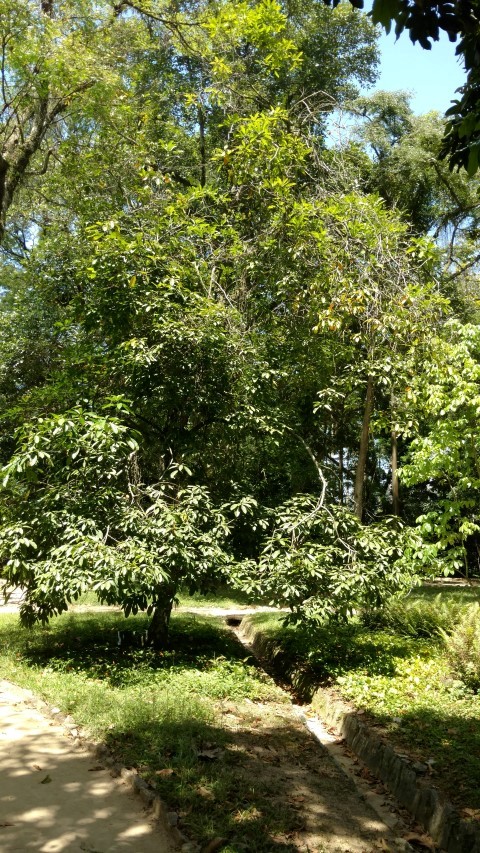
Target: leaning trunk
point(160, 622)
point(363, 452)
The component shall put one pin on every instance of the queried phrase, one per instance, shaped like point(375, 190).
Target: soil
point(280, 757)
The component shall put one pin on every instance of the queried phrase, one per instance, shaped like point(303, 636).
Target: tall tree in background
point(459, 20)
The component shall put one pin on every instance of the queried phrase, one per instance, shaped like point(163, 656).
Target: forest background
point(229, 349)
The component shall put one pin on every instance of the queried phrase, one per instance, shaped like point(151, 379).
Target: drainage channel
point(371, 790)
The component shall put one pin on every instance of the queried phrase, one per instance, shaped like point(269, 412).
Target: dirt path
point(55, 798)
point(322, 806)
point(329, 807)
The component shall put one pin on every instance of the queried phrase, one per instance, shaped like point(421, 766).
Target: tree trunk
point(341, 468)
point(363, 452)
point(159, 625)
point(203, 155)
point(395, 481)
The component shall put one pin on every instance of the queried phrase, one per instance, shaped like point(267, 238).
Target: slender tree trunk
point(363, 452)
point(394, 462)
point(160, 622)
point(203, 155)
point(341, 467)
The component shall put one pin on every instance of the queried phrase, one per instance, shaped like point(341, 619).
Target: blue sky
point(432, 75)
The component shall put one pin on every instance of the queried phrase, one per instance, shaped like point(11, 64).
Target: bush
point(422, 619)
point(462, 647)
point(325, 565)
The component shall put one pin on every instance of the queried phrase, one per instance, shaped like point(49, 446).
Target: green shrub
point(422, 619)
point(462, 647)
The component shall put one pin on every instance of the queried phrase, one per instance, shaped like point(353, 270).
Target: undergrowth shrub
point(462, 647)
point(414, 619)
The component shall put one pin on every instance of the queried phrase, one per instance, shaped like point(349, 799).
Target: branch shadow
point(247, 772)
point(52, 797)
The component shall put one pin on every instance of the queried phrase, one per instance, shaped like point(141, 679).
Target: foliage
point(183, 239)
point(322, 563)
point(424, 23)
point(395, 153)
point(76, 517)
point(462, 648)
point(445, 456)
point(417, 618)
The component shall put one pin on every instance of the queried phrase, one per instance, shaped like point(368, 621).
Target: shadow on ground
point(53, 798)
point(210, 731)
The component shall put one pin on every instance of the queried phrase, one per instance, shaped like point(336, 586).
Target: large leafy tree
point(459, 20)
point(195, 257)
point(56, 61)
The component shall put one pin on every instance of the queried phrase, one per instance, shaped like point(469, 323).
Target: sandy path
point(55, 798)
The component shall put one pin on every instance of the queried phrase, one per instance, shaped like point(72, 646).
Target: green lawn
point(222, 597)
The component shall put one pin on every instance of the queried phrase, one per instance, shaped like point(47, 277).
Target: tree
point(395, 153)
point(322, 563)
point(444, 454)
point(424, 22)
point(48, 54)
point(129, 543)
point(180, 272)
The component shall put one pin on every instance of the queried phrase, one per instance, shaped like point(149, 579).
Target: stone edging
point(437, 816)
point(428, 807)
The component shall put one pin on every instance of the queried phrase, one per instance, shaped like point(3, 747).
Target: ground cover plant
point(394, 667)
point(186, 717)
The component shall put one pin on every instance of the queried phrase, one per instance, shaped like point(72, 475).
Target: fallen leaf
point(210, 754)
point(46, 780)
point(422, 840)
point(36, 767)
point(165, 772)
point(215, 844)
point(204, 792)
point(6, 823)
point(97, 767)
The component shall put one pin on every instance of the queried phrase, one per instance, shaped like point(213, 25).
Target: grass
point(449, 593)
point(188, 718)
point(222, 597)
point(397, 673)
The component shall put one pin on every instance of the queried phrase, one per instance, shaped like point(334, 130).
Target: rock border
point(432, 811)
point(426, 805)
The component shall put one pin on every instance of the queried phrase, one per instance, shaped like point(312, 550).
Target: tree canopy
point(219, 331)
point(459, 20)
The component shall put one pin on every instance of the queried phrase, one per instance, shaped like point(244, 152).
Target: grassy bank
point(223, 596)
point(395, 670)
point(187, 718)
